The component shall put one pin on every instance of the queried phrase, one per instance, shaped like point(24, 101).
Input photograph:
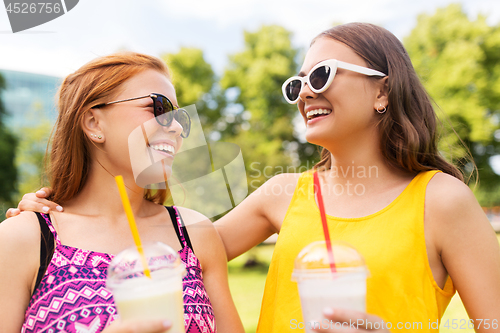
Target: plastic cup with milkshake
point(158, 296)
point(320, 286)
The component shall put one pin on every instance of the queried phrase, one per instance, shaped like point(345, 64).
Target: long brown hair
point(94, 83)
point(408, 129)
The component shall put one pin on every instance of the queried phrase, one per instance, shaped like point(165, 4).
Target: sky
point(99, 27)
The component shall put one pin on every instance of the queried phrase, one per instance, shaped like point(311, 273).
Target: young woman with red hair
point(54, 265)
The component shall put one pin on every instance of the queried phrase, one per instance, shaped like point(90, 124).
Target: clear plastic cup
point(319, 287)
point(140, 297)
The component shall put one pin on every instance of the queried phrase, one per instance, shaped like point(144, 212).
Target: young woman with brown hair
point(386, 189)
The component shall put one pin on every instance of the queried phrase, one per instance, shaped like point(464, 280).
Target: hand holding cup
point(344, 320)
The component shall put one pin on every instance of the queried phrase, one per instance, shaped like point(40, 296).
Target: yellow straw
point(131, 222)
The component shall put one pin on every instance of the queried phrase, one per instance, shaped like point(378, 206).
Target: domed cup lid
point(128, 263)
point(313, 261)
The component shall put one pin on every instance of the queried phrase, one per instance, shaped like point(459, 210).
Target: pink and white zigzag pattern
point(72, 296)
point(198, 312)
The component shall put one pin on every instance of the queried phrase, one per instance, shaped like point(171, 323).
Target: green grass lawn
point(247, 284)
point(247, 287)
point(455, 313)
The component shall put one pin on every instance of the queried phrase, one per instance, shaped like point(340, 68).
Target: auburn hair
point(408, 129)
point(95, 83)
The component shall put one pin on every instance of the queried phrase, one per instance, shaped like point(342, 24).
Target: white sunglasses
point(320, 77)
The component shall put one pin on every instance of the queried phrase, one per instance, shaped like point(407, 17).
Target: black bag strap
point(184, 238)
point(47, 246)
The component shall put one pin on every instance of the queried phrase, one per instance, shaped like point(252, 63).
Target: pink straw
point(317, 190)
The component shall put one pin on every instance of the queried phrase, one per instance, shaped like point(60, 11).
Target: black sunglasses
point(165, 112)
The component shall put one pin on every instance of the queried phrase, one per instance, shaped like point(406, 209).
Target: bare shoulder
point(193, 218)
point(284, 179)
point(464, 243)
point(20, 232)
point(448, 195)
point(19, 243)
point(455, 223)
point(203, 235)
point(279, 186)
point(200, 228)
point(452, 213)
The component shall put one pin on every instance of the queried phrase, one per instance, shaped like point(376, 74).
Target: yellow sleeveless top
point(400, 286)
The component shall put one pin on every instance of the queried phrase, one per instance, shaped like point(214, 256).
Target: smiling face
point(344, 114)
point(134, 140)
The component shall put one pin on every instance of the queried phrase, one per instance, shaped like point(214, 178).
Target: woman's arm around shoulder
point(258, 216)
point(210, 251)
point(468, 247)
point(19, 263)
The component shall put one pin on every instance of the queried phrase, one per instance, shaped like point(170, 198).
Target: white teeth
point(165, 147)
point(309, 114)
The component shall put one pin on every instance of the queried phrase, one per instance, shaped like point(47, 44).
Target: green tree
point(196, 83)
point(257, 117)
point(8, 171)
point(458, 60)
point(192, 76)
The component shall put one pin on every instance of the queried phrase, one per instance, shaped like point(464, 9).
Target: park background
point(231, 57)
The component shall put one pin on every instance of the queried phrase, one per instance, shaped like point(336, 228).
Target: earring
point(381, 109)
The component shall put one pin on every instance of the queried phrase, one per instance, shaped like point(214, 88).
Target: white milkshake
point(319, 287)
point(140, 297)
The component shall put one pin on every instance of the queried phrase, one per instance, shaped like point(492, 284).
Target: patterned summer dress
point(72, 295)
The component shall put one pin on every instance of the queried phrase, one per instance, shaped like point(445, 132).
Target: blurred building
point(27, 97)
point(29, 101)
